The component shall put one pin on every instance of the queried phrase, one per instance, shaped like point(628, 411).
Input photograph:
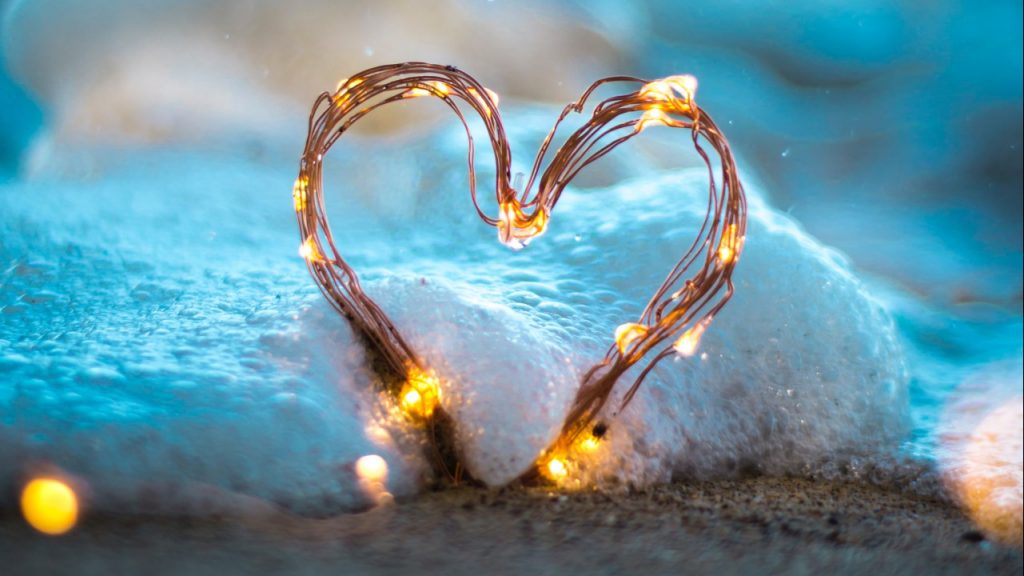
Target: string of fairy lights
point(675, 318)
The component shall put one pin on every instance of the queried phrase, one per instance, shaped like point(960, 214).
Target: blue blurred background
point(22, 118)
point(891, 130)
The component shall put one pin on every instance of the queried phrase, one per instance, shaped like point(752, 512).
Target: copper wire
point(696, 288)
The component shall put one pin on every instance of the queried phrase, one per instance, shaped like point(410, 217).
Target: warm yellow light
point(412, 398)
point(344, 85)
point(436, 88)
point(421, 394)
point(309, 251)
point(557, 470)
point(990, 478)
point(515, 228)
point(653, 116)
point(685, 83)
point(658, 90)
point(671, 89)
point(627, 333)
point(372, 469)
point(483, 102)
point(729, 246)
point(49, 505)
point(299, 193)
point(491, 93)
point(589, 444)
point(687, 344)
point(416, 93)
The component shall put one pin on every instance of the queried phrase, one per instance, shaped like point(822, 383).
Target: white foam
point(160, 331)
point(801, 368)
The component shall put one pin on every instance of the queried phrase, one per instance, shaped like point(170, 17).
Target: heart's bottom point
point(420, 395)
point(516, 228)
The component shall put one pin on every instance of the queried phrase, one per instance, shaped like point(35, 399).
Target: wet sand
point(756, 526)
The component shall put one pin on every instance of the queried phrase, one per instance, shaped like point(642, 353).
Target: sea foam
point(162, 340)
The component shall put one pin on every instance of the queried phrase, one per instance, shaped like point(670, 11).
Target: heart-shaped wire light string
point(696, 288)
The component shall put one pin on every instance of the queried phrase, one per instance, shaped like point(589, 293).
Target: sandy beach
point(754, 526)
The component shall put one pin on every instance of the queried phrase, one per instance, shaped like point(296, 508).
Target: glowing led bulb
point(299, 193)
point(687, 344)
point(557, 470)
point(515, 228)
point(725, 254)
point(416, 93)
point(344, 85)
point(653, 116)
point(372, 468)
point(412, 398)
point(49, 505)
point(482, 100)
point(670, 89)
point(627, 333)
point(309, 251)
point(659, 90)
point(589, 444)
point(437, 88)
point(479, 98)
point(685, 83)
point(729, 246)
point(421, 394)
point(372, 471)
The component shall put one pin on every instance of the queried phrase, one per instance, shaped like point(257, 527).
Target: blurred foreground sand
point(755, 526)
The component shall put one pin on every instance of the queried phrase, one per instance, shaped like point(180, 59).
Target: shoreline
point(758, 525)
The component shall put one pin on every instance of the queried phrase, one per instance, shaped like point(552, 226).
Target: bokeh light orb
point(992, 483)
point(372, 468)
point(372, 471)
point(49, 505)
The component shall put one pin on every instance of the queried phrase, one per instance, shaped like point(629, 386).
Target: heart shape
point(681, 308)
